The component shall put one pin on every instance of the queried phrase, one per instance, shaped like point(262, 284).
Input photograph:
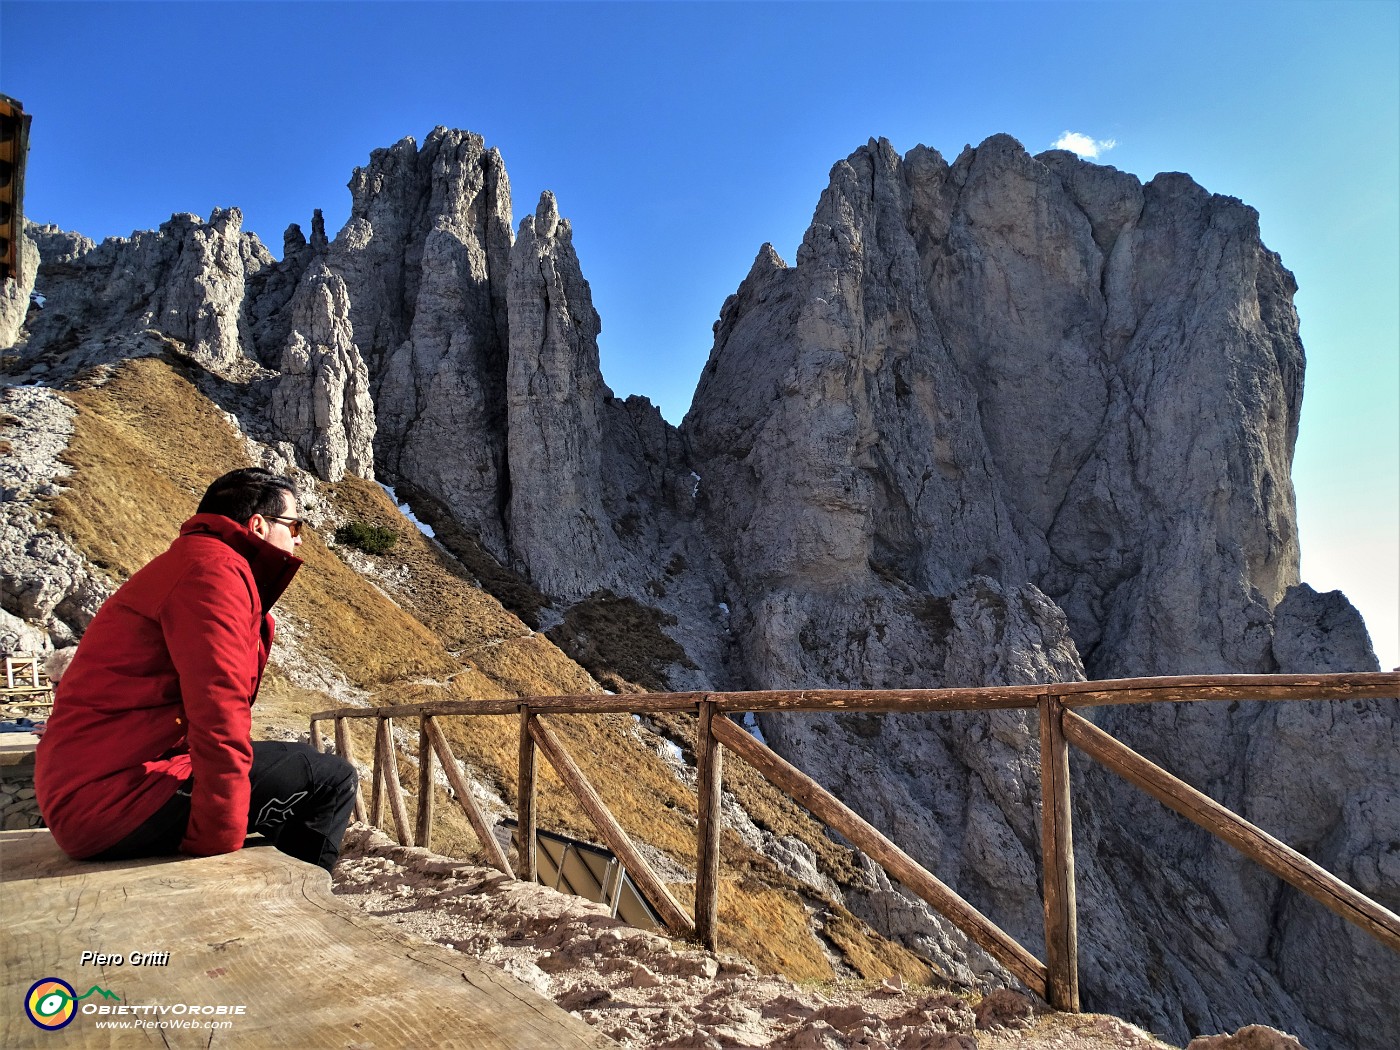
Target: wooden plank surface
point(392, 787)
point(423, 828)
point(253, 928)
point(982, 698)
point(17, 749)
point(376, 795)
point(344, 750)
point(580, 703)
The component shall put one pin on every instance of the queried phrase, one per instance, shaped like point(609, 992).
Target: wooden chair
point(27, 687)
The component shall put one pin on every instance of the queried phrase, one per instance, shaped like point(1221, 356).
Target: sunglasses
point(294, 525)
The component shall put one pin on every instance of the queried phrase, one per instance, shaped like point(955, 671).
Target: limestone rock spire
point(321, 404)
point(556, 400)
point(425, 257)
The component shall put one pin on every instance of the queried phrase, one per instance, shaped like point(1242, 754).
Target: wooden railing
point(1057, 978)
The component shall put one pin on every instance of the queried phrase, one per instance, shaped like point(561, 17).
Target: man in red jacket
point(148, 750)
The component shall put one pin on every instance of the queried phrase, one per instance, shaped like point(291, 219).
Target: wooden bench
point(17, 751)
point(254, 929)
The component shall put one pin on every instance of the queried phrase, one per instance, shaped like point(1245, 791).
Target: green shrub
point(372, 539)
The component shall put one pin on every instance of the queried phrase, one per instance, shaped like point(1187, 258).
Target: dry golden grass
point(283, 707)
point(145, 446)
point(768, 807)
point(451, 605)
point(768, 926)
point(532, 666)
point(516, 594)
point(355, 627)
point(872, 956)
point(146, 443)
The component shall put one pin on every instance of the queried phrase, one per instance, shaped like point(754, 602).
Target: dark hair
point(240, 494)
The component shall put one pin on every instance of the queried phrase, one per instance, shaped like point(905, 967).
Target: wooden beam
point(525, 802)
point(1057, 851)
point(316, 740)
point(1190, 688)
point(993, 698)
point(982, 698)
point(646, 880)
point(709, 772)
point(423, 829)
point(579, 704)
point(472, 811)
point(376, 795)
point(392, 786)
point(342, 748)
point(827, 808)
point(1259, 846)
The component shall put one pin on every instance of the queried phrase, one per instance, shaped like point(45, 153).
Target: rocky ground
point(645, 990)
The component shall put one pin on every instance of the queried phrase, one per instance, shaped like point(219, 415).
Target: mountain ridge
point(1007, 419)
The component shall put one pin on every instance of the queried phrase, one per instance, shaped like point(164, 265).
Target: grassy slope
point(412, 625)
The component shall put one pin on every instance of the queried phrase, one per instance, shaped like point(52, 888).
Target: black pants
point(301, 800)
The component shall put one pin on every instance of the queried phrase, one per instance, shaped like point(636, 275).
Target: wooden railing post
point(316, 740)
point(525, 802)
point(709, 768)
point(376, 793)
point(1057, 850)
point(423, 830)
point(342, 748)
point(389, 773)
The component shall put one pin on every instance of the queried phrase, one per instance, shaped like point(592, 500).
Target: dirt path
point(645, 990)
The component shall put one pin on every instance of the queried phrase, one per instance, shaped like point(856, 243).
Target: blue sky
point(679, 137)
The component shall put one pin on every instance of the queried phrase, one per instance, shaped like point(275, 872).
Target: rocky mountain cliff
point(1007, 419)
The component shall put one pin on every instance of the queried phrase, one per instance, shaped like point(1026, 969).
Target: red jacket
point(162, 687)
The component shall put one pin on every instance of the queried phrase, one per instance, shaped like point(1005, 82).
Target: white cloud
point(1084, 145)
